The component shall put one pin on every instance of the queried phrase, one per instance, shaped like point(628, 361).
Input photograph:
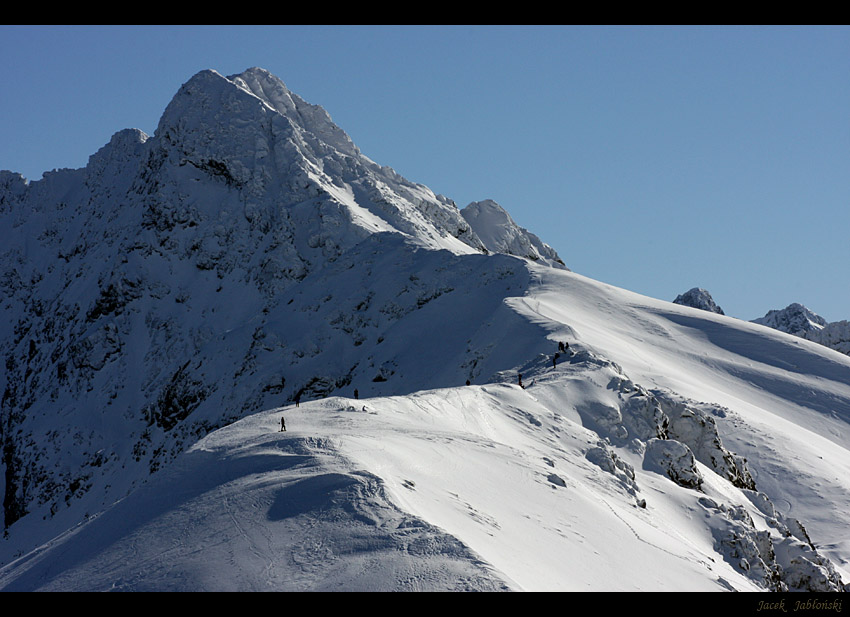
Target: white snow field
point(494, 486)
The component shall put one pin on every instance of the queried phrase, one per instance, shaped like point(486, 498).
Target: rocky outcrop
point(781, 558)
point(698, 298)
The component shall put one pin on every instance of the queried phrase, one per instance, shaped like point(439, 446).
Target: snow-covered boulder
point(673, 459)
point(694, 424)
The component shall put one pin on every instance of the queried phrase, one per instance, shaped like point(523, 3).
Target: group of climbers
point(562, 348)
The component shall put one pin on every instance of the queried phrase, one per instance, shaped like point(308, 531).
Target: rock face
point(673, 459)
point(785, 560)
point(698, 298)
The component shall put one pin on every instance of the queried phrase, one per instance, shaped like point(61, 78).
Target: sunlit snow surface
point(491, 486)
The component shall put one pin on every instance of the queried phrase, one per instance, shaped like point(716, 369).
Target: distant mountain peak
point(698, 298)
point(794, 319)
point(798, 320)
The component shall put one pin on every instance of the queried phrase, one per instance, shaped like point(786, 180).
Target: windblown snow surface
point(493, 486)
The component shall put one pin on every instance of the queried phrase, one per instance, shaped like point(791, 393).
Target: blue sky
point(652, 158)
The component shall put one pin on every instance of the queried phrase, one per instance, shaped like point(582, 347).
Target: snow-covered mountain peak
point(798, 320)
point(793, 319)
point(698, 298)
point(12, 186)
point(243, 192)
point(122, 140)
point(500, 234)
point(125, 146)
point(274, 93)
point(284, 154)
point(220, 108)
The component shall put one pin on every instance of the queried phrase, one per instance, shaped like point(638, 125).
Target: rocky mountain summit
point(698, 298)
point(500, 234)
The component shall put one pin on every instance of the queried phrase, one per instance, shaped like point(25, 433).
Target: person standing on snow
point(282, 425)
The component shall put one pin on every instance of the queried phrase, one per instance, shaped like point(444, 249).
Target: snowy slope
point(552, 487)
point(166, 305)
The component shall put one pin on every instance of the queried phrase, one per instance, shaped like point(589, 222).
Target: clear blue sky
point(653, 158)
